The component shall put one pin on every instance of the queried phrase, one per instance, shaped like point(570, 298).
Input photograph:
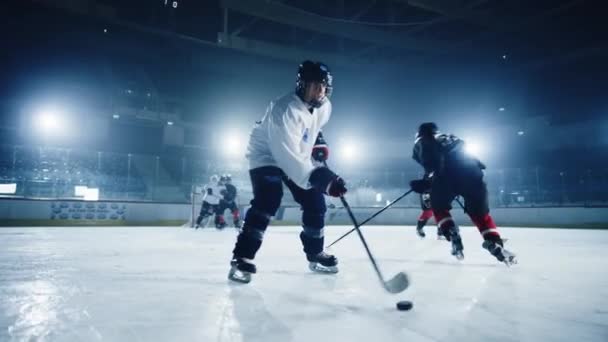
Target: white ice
point(169, 284)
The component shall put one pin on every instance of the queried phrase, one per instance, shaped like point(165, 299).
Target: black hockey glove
point(324, 180)
point(337, 187)
point(420, 185)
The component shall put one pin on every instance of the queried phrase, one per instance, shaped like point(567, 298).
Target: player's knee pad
point(247, 243)
point(313, 220)
point(256, 223)
point(313, 210)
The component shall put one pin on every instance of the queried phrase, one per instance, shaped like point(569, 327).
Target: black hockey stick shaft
point(371, 217)
point(397, 283)
point(369, 253)
point(460, 204)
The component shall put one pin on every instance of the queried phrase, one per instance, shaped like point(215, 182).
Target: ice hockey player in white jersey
point(211, 200)
point(281, 149)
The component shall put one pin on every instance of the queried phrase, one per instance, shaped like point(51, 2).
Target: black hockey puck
point(405, 305)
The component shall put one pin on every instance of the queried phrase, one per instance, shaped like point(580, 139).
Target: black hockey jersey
point(230, 193)
point(440, 152)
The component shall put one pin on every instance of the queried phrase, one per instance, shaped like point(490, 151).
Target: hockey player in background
point(228, 201)
point(280, 152)
point(450, 172)
point(425, 216)
point(211, 200)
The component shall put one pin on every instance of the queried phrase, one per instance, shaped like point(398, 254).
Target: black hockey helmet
point(226, 178)
point(310, 71)
point(427, 129)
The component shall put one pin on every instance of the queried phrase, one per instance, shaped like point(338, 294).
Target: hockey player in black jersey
point(450, 172)
point(425, 215)
point(228, 201)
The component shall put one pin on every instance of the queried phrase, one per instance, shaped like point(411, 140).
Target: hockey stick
point(371, 217)
point(396, 284)
point(460, 203)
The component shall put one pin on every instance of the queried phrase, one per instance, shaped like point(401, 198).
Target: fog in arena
point(282, 170)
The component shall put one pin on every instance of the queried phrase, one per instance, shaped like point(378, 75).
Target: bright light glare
point(473, 148)
point(48, 122)
point(348, 151)
point(234, 145)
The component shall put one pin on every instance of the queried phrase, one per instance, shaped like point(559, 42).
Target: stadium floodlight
point(348, 151)
point(170, 123)
point(49, 122)
point(473, 148)
point(520, 133)
point(115, 116)
point(234, 145)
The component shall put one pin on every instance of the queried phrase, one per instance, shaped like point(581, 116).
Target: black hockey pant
point(267, 185)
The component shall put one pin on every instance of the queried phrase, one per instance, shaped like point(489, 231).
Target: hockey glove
point(320, 152)
point(420, 185)
point(337, 187)
point(324, 180)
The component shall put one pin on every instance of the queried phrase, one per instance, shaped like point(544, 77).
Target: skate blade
point(318, 268)
point(239, 276)
point(398, 283)
point(510, 261)
point(458, 255)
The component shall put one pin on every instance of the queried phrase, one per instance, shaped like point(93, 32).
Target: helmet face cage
point(310, 71)
point(214, 178)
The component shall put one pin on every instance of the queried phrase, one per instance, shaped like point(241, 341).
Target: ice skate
point(452, 234)
point(420, 230)
point(322, 263)
point(499, 252)
point(241, 270)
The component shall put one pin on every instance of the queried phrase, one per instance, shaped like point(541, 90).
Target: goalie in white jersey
point(283, 148)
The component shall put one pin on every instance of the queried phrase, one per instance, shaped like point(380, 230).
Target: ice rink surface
point(169, 284)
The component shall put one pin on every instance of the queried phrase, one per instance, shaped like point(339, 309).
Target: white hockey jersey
point(285, 136)
point(212, 193)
